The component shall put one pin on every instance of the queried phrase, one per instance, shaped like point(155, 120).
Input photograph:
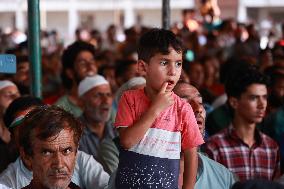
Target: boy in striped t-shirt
point(154, 124)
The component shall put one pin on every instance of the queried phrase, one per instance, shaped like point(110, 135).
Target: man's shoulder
point(16, 175)
point(11, 170)
point(62, 100)
point(212, 165)
point(4, 187)
point(219, 140)
point(214, 174)
point(219, 136)
point(268, 141)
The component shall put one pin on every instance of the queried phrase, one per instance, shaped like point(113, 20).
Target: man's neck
point(36, 185)
point(96, 127)
point(245, 130)
point(73, 96)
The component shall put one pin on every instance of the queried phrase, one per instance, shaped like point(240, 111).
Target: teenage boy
point(154, 124)
point(241, 147)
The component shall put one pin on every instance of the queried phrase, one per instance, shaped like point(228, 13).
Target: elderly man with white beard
point(96, 95)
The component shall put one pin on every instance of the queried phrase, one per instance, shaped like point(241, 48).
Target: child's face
point(163, 68)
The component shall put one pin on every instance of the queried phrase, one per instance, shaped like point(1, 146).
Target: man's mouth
point(105, 109)
point(59, 176)
point(260, 114)
point(89, 74)
point(199, 120)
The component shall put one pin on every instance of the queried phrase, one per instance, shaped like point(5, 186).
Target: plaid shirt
point(259, 161)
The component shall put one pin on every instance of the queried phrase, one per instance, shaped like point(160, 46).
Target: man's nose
point(107, 99)
point(262, 103)
point(197, 108)
point(57, 161)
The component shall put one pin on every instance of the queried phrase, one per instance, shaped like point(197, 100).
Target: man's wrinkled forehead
point(185, 89)
point(63, 136)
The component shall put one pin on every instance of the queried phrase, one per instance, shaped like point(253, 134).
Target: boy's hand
point(163, 99)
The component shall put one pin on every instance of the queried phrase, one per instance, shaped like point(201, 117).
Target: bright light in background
point(192, 25)
point(7, 30)
point(263, 42)
point(265, 26)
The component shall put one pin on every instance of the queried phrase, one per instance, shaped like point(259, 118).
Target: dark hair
point(121, 66)
point(20, 104)
point(45, 122)
point(157, 41)
point(275, 73)
point(185, 11)
point(22, 59)
point(242, 78)
point(68, 59)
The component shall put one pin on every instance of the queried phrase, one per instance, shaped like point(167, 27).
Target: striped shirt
point(260, 161)
point(154, 161)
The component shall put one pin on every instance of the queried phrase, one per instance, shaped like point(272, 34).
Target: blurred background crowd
point(213, 47)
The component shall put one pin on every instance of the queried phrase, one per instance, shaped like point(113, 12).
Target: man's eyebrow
point(46, 149)
point(257, 95)
point(184, 96)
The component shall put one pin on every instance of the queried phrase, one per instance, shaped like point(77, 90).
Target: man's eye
point(45, 152)
point(163, 63)
point(109, 95)
point(82, 63)
point(253, 98)
point(67, 151)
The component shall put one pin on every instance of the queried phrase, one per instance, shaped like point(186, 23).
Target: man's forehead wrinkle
point(62, 140)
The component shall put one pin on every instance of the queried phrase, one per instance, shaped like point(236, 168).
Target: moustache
point(56, 172)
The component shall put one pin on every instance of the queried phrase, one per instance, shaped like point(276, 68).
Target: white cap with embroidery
point(6, 83)
point(90, 82)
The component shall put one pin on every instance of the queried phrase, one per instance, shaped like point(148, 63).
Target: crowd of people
point(197, 106)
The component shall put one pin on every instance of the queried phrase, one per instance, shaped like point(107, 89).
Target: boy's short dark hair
point(157, 41)
point(239, 80)
point(122, 66)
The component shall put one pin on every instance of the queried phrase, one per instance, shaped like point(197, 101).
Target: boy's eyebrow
point(165, 58)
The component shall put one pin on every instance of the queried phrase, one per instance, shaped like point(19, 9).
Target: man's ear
point(142, 67)
point(233, 101)
point(26, 159)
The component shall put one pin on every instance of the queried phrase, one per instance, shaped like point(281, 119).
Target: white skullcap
point(90, 82)
point(6, 83)
point(135, 81)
